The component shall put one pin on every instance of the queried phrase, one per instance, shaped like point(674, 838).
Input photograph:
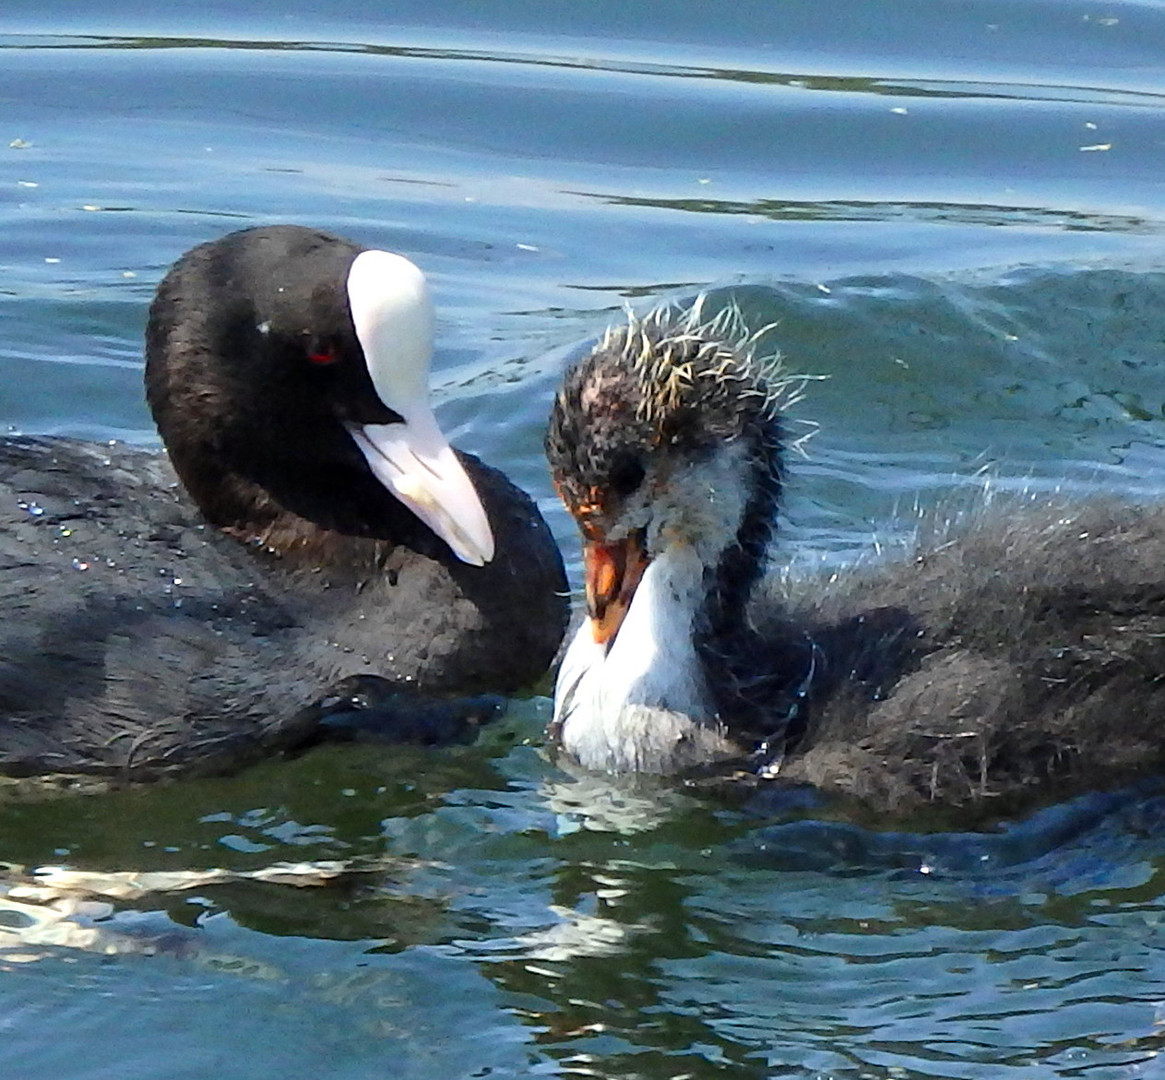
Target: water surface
point(953, 211)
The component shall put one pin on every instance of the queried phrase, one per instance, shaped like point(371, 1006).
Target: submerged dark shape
point(1022, 655)
point(149, 632)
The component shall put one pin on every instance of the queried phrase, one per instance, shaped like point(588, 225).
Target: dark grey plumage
point(145, 634)
point(1021, 655)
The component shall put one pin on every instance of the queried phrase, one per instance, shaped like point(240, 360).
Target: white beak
point(414, 461)
point(394, 321)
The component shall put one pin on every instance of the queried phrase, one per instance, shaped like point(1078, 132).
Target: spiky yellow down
point(675, 353)
point(673, 380)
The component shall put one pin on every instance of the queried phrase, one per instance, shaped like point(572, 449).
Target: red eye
point(328, 356)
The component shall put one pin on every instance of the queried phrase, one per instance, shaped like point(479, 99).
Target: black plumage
point(149, 632)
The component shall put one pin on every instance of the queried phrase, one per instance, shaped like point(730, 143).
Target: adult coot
point(322, 546)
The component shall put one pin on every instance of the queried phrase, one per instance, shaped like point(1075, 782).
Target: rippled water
point(953, 211)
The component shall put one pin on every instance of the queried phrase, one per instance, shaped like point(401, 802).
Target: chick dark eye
point(626, 475)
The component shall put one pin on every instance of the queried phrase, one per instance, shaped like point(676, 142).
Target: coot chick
point(1022, 658)
point(327, 534)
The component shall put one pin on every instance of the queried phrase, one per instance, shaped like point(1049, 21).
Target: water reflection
point(830, 947)
point(976, 213)
point(953, 211)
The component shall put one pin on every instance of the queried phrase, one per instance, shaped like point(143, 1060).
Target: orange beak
point(613, 572)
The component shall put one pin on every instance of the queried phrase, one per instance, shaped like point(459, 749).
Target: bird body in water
point(1023, 655)
point(311, 539)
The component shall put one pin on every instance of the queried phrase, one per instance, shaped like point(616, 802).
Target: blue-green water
point(954, 211)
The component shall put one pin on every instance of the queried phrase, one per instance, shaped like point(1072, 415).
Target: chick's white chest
point(642, 705)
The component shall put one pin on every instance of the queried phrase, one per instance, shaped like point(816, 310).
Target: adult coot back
point(323, 541)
